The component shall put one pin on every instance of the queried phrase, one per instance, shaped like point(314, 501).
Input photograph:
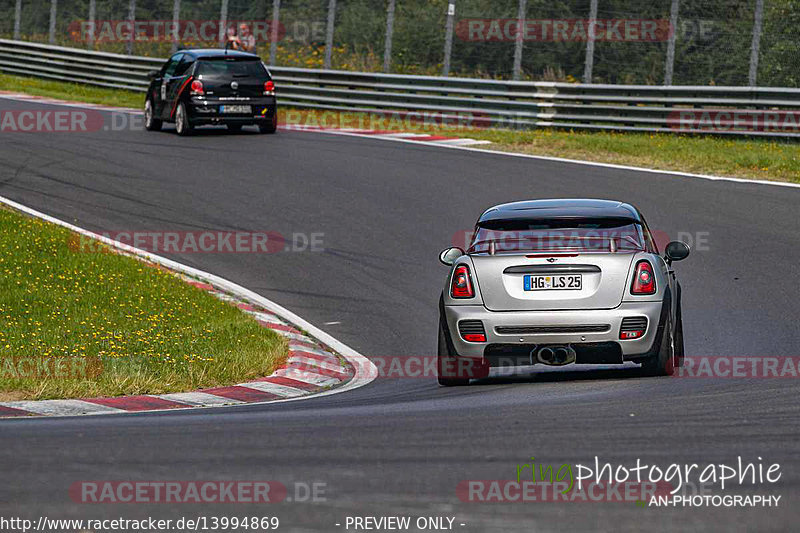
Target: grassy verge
point(121, 326)
point(71, 91)
point(744, 158)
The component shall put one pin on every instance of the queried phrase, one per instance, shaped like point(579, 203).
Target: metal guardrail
point(499, 103)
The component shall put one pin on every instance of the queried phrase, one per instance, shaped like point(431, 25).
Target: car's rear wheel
point(271, 126)
point(663, 364)
point(446, 364)
point(182, 124)
point(234, 128)
point(151, 123)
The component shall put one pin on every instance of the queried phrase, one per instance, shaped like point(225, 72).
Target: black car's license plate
point(550, 283)
point(235, 109)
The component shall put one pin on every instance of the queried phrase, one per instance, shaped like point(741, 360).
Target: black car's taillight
point(197, 88)
point(461, 287)
point(269, 88)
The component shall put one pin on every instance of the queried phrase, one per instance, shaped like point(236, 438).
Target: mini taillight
point(197, 87)
point(475, 337)
point(269, 88)
point(462, 284)
point(627, 335)
point(644, 280)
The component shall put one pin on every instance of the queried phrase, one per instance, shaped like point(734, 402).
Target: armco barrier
point(754, 111)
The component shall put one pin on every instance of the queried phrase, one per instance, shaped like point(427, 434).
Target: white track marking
point(274, 388)
point(198, 398)
point(62, 407)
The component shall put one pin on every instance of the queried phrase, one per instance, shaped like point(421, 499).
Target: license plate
point(553, 283)
point(235, 109)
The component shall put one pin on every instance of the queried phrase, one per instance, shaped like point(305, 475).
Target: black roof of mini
point(575, 208)
point(205, 53)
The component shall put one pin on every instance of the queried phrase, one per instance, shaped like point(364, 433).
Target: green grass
point(150, 331)
point(71, 91)
point(743, 158)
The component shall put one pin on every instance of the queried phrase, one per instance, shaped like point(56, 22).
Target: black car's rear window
point(232, 69)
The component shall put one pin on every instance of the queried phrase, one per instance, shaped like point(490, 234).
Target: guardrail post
point(448, 38)
point(17, 16)
point(387, 49)
point(176, 17)
point(223, 21)
point(273, 31)
point(132, 23)
point(523, 8)
point(754, 52)
point(92, 16)
point(669, 68)
point(329, 33)
point(53, 11)
point(590, 35)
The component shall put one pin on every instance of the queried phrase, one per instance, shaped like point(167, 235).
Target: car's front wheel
point(151, 123)
point(182, 124)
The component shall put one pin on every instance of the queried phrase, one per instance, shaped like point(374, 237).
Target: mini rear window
point(232, 69)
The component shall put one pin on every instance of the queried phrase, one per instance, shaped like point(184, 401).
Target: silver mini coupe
point(556, 282)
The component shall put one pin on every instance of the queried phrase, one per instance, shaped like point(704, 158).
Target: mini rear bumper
point(551, 324)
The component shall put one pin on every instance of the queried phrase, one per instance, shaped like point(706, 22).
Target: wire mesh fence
point(651, 42)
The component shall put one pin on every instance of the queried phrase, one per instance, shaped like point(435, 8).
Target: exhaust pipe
point(556, 355)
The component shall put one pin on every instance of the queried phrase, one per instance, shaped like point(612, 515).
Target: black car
point(208, 87)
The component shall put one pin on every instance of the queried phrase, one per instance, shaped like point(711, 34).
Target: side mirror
point(153, 74)
point(676, 251)
point(449, 256)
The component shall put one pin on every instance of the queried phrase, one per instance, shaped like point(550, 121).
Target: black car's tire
point(271, 126)
point(234, 128)
point(663, 363)
point(446, 361)
point(182, 124)
point(150, 122)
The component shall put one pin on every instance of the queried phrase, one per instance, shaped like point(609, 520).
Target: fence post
point(523, 8)
point(329, 33)
point(273, 31)
point(92, 16)
point(131, 21)
point(387, 49)
point(17, 16)
point(669, 68)
point(223, 21)
point(754, 52)
point(53, 11)
point(176, 17)
point(590, 35)
point(448, 38)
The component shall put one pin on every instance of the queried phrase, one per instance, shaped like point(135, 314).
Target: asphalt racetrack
point(402, 446)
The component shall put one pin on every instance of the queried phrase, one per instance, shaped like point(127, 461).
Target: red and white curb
point(317, 364)
point(389, 135)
